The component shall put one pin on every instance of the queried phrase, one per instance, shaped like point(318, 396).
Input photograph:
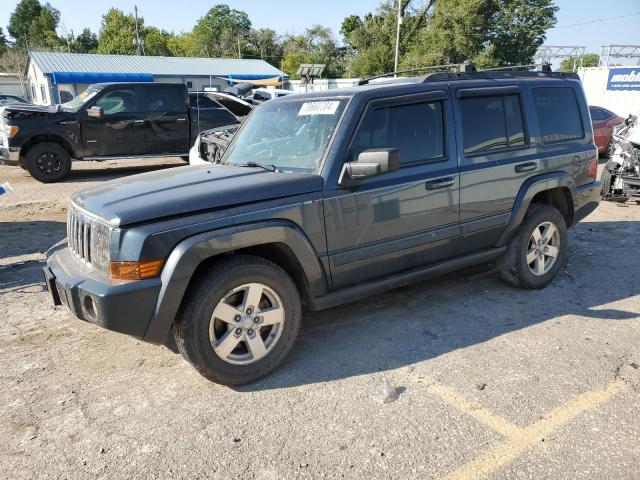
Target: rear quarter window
point(558, 114)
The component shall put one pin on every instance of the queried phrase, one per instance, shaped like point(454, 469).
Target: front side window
point(416, 130)
point(120, 100)
point(491, 123)
point(291, 135)
point(558, 114)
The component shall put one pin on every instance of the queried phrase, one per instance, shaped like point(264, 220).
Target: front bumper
point(10, 155)
point(125, 307)
point(588, 200)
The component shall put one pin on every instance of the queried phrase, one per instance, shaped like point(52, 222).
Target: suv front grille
point(88, 239)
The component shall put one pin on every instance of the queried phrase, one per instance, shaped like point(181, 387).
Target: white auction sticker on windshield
point(319, 108)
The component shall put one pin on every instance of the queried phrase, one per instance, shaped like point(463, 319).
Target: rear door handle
point(526, 167)
point(138, 121)
point(440, 183)
point(182, 120)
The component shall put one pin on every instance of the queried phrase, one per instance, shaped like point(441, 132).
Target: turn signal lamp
point(135, 270)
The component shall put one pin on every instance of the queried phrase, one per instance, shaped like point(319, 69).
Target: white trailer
point(614, 88)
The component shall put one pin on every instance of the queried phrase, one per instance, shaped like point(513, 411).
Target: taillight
point(592, 169)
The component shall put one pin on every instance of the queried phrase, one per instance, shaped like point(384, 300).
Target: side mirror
point(95, 112)
point(370, 163)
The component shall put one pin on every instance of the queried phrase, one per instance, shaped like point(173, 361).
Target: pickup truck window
point(121, 100)
point(81, 99)
point(416, 130)
point(491, 123)
point(292, 135)
point(165, 98)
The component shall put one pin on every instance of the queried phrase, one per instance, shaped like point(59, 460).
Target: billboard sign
point(624, 79)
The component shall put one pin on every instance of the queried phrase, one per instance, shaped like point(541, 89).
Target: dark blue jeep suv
point(328, 197)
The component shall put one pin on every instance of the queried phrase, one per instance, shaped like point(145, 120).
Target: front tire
point(538, 251)
point(240, 320)
point(48, 162)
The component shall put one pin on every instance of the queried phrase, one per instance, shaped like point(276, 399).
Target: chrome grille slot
point(88, 239)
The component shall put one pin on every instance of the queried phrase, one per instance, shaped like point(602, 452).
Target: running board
point(134, 157)
point(398, 280)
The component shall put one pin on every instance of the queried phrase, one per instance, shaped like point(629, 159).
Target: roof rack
point(468, 71)
point(365, 81)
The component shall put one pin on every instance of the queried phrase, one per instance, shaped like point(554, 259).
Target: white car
point(210, 145)
point(263, 94)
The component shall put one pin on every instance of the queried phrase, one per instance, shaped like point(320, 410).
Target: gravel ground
point(462, 377)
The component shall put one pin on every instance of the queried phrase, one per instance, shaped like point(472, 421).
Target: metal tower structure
point(546, 53)
point(618, 51)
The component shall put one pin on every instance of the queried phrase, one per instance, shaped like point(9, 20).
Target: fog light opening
point(89, 307)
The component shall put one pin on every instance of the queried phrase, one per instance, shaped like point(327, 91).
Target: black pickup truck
point(108, 121)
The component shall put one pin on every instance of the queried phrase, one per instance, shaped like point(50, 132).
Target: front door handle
point(526, 167)
point(440, 183)
point(138, 122)
point(182, 120)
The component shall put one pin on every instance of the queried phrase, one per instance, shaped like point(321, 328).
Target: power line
point(597, 20)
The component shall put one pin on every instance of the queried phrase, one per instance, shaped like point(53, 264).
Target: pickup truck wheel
point(536, 253)
point(48, 162)
point(240, 320)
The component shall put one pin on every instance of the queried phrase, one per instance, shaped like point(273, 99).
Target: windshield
point(81, 99)
point(291, 135)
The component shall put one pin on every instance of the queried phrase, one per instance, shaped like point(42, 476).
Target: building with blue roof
point(55, 77)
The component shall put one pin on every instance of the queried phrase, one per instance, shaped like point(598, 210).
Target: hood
point(191, 189)
point(24, 110)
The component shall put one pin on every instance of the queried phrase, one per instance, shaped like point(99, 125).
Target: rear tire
point(532, 259)
point(48, 162)
point(216, 329)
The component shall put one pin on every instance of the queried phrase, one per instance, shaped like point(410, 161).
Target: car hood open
point(186, 190)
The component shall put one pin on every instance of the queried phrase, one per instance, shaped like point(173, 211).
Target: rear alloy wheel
point(48, 162)
point(537, 251)
point(239, 320)
point(543, 248)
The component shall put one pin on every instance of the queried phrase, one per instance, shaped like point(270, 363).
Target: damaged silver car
point(621, 174)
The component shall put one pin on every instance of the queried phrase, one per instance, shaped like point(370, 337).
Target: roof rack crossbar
point(365, 81)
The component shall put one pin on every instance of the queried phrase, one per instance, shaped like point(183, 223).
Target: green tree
point(117, 32)
point(86, 42)
point(263, 43)
point(435, 32)
point(217, 33)
point(317, 45)
point(156, 42)
point(588, 60)
point(33, 25)
point(3, 43)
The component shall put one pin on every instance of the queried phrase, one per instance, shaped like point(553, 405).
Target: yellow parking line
point(480, 413)
point(518, 438)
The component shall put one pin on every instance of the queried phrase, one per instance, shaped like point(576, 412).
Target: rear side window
point(491, 123)
point(558, 114)
point(165, 98)
point(416, 130)
point(597, 114)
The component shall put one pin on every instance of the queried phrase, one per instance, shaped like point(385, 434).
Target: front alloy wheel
point(239, 319)
point(246, 324)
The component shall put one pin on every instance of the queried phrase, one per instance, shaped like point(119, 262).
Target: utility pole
point(139, 47)
point(239, 47)
point(395, 65)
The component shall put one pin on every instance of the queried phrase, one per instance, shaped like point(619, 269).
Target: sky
point(293, 16)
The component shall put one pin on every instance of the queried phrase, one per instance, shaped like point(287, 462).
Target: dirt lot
point(462, 377)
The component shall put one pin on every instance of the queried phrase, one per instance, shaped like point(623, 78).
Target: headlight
point(10, 130)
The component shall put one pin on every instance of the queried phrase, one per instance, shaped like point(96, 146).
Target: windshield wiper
point(268, 168)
